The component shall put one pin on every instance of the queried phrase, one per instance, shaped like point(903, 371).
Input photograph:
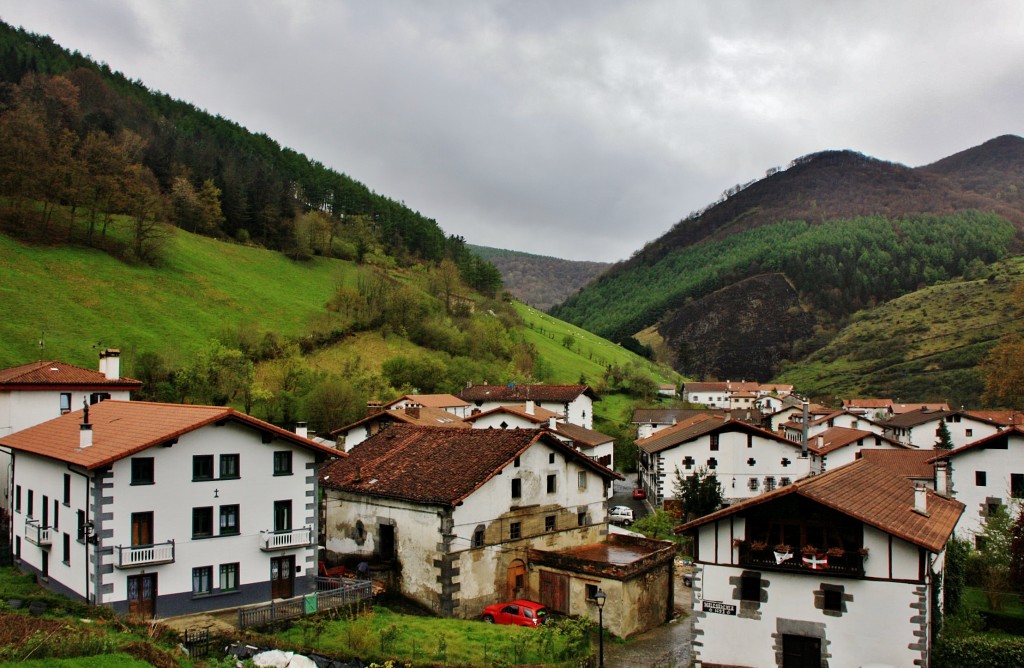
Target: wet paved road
point(668, 646)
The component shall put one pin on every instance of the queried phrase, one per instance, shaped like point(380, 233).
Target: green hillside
point(924, 346)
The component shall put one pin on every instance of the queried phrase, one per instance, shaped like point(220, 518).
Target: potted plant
point(738, 542)
point(783, 552)
point(863, 552)
point(809, 549)
point(758, 545)
point(835, 552)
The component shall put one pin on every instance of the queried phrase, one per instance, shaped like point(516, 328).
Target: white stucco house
point(647, 421)
point(448, 515)
point(737, 395)
point(593, 444)
point(841, 445)
point(446, 402)
point(39, 391)
point(514, 416)
point(574, 402)
point(862, 596)
point(820, 422)
point(165, 509)
point(748, 461)
point(920, 428)
point(983, 475)
point(377, 418)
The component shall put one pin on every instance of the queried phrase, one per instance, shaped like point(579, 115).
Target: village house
point(377, 418)
point(449, 515)
point(594, 444)
point(920, 428)
point(39, 391)
point(165, 509)
point(915, 465)
point(747, 460)
point(873, 409)
point(574, 402)
point(839, 569)
point(983, 475)
point(446, 402)
point(842, 445)
point(647, 421)
point(737, 395)
point(513, 416)
point(820, 420)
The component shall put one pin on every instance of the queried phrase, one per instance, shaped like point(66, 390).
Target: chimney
point(372, 408)
point(921, 500)
point(529, 407)
point(413, 411)
point(942, 477)
point(553, 423)
point(728, 415)
point(84, 435)
point(110, 363)
point(301, 429)
point(820, 440)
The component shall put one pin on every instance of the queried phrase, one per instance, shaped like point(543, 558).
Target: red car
point(518, 613)
point(639, 493)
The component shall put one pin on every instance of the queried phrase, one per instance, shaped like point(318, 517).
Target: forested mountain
point(77, 134)
point(539, 280)
point(847, 231)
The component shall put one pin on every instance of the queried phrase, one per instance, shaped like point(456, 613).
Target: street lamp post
point(599, 598)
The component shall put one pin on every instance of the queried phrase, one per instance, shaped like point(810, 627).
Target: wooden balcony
point(271, 541)
point(133, 556)
point(850, 564)
point(37, 534)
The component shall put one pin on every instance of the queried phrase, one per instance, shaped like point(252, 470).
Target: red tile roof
point(430, 400)
point(1005, 418)
point(123, 428)
point(539, 415)
point(54, 375)
point(698, 426)
point(909, 463)
point(668, 415)
point(582, 436)
point(516, 393)
point(436, 465)
point(869, 493)
point(932, 406)
point(428, 417)
point(835, 438)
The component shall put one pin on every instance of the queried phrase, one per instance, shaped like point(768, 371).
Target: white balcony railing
point(282, 540)
point(36, 533)
point(131, 556)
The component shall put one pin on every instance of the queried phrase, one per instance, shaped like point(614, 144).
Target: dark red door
point(282, 577)
point(142, 595)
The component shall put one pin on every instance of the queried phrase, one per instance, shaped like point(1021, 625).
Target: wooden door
point(516, 580)
point(142, 529)
point(801, 652)
point(142, 595)
point(282, 577)
point(386, 534)
point(554, 591)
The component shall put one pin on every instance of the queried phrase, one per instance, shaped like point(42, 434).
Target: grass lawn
point(975, 599)
point(383, 634)
point(118, 660)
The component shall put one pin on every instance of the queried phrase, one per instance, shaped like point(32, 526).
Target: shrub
point(978, 650)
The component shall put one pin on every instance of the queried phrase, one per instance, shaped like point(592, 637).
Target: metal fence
point(331, 593)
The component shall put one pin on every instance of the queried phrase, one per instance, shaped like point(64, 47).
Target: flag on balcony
point(816, 562)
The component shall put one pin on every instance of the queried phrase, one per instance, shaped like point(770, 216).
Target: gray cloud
point(576, 129)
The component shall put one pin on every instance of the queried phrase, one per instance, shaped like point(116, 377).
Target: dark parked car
point(518, 613)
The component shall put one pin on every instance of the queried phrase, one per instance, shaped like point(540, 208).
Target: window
point(229, 577)
point(56, 515)
point(202, 522)
point(229, 466)
point(581, 519)
point(969, 432)
point(516, 462)
point(714, 442)
point(65, 402)
point(750, 587)
point(17, 498)
point(832, 599)
point(551, 458)
point(517, 488)
point(552, 478)
point(66, 545)
point(202, 467)
point(81, 525)
point(549, 523)
point(581, 479)
point(142, 470)
point(752, 484)
point(283, 462)
point(784, 481)
point(67, 489)
point(592, 591)
point(283, 515)
point(228, 520)
point(769, 483)
point(515, 530)
point(201, 580)
point(31, 504)
point(478, 536)
point(1017, 485)
point(97, 397)
point(980, 479)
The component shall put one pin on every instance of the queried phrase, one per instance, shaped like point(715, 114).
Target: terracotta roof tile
point(435, 464)
point(870, 493)
point(44, 375)
point(698, 426)
point(122, 428)
point(908, 463)
point(431, 400)
point(516, 393)
point(581, 435)
point(539, 415)
point(834, 438)
point(667, 415)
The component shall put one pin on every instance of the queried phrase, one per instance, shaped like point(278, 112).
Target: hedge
point(978, 650)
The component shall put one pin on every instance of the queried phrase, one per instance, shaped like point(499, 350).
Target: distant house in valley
point(920, 428)
point(513, 416)
point(874, 409)
point(164, 509)
point(445, 402)
point(737, 395)
point(667, 389)
point(842, 568)
point(575, 402)
point(984, 474)
point(377, 418)
point(450, 515)
point(748, 461)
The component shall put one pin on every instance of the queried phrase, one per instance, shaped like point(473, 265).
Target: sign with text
point(719, 608)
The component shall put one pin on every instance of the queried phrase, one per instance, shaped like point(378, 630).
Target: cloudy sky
point(579, 129)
